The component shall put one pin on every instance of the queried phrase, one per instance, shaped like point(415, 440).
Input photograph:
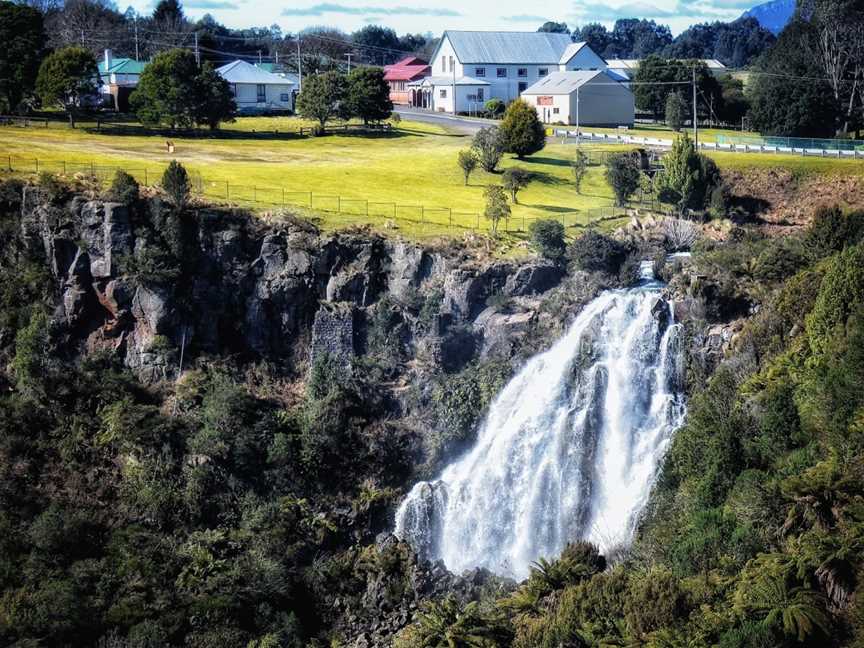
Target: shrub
point(495, 107)
point(655, 601)
point(489, 147)
point(55, 190)
point(522, 131)
point(124, 188)
point(842, 288)
point(580, 169)
point(516, 179)
point(679, 234)
point(547, 236)
point(622, 174)
point(594, 252)
point(175, 182)
point(831, 230)
point(467, 162)
point(497, 207)
point(688, 178)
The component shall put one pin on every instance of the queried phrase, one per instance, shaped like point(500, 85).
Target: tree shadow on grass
point(548, 160)
point(555, 209)
point(235, 135)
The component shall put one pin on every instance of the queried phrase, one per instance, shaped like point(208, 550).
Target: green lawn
point(412, 167)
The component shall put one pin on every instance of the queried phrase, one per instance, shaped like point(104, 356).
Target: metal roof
point(571, 51)
point(530, 48)
point(563, 83)
point(123, 66)
point(243, 72)
point(448, 81)
point(632, 64)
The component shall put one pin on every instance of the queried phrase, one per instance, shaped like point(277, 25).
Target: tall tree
point(214, 100)
point(322, 97)
point(551, 27)
point(23, 38)
point(788, 93)
point(167, 92)
point(735, 44)
point(368, 95)
point(92, 24)
point(838, 46)
point(67, 78)
point(595, 35)
point(168, 26)
point(656, 79)
point(377, 45)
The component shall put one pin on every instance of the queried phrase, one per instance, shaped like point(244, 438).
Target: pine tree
point(175, 183)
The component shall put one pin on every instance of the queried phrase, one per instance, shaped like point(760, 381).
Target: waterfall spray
point(570, 448)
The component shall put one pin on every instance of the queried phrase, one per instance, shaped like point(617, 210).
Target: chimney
point(108, 59)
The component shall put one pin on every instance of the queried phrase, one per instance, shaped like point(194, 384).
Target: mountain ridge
point(774, 15)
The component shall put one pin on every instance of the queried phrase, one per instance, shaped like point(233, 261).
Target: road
point(467, 125)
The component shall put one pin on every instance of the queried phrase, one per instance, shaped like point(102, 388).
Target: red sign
point(545, 101)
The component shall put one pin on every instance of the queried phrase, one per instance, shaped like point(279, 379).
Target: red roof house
point(403, 72)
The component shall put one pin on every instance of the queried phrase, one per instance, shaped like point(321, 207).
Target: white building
point(477, 66)
point(256, 90)
point(583, 98)
point(118, 77)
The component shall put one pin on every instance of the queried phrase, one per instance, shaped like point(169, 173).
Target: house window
point(285, 97)
point(262, 92)
point(480, 72)
point(501, 72)
point(233, 89)
point(442, 93)
point(522, 72)
point(523, 86)
point(479, 94)
point(543, 72)
point(443, 63)
point(452, 64)
point(555, 111)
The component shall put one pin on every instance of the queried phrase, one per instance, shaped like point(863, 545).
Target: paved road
point(468, 125)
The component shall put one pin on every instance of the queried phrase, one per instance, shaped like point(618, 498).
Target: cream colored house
point(583, 98)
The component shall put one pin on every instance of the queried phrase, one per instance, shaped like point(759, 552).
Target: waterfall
point(569, 449)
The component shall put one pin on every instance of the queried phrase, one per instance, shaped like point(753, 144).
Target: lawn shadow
point(549, 161)
point(555, 209)
point(236, 135)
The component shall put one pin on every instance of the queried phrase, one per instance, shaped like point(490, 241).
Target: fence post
point(146, 183)
point(10, 163)
point(478, 221)
point(254, 193)
point(92, 168)
point(422, 214)
point(367, 209)
point(310, 200)
point(449, 218)
point(37, 165)
point(283, 197)
point(227, 191)
point(338, 204)
point(64, 167)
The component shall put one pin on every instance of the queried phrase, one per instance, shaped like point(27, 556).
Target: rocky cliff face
point(146, 284)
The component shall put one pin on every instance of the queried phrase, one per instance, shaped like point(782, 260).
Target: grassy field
point(413, 166)
point(406, 179)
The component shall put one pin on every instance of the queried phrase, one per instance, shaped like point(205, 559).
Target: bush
point(679, 234)
point(124, 188)
point(54, 189)
point(831, 230)
point(623, 175)
point(842, 289)
point(175, 182)
point(495, 108)
point(488, 143)
point(515, 179)
point(547, 236)
point(594, 252)
point(522, 130)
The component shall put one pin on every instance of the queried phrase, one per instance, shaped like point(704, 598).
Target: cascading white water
point(570, 448)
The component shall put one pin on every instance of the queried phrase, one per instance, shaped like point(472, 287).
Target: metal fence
point(793, 142)
point(344, 210)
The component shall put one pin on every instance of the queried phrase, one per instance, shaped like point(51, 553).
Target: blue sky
point(438, 15)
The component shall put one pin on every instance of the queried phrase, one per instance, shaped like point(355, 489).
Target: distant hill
point(773, 15)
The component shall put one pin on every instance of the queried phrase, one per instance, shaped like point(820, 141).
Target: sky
point(435, 16)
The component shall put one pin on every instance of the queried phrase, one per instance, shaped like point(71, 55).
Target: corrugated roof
point(563, 83)
point(571, 51)
point(405, 72)
point(632, 64)
point(530, 48)
point(122, 66)
point(446, 81)
point(243, 72)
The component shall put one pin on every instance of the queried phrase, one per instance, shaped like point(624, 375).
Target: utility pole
point(277, 57)
point(197, 53)
point(136, 37)
point(349, 62)
point(259, 57)
point(578, 132)
point(695, 116)
point(299, 66)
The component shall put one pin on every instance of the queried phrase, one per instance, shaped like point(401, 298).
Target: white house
point(118, 77)
point(584, 97)
point(256, 90)
point(475, 66)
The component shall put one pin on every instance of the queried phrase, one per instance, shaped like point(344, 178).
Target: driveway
point(467, 125)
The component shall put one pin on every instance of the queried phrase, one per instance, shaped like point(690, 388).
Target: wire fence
point(340, 210)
